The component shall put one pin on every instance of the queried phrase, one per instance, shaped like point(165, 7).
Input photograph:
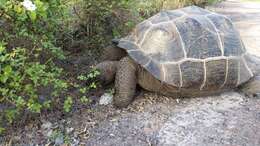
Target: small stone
point(46, 129)
point(75, 142)
point(112, 135)
point(49, 133)
point(106, 99)
point(69, 130)
point(46, 125)
point(59, 140)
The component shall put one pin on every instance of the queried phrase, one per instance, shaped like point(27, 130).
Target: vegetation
point(36, 34)
point(28, 45)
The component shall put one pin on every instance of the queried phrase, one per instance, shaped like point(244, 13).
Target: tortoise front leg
point(125, 83)
point(252, 88)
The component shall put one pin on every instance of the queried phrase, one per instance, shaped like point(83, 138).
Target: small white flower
point(29, 5)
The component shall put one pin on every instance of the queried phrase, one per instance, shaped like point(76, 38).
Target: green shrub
point(28, 45)
point(96, 22)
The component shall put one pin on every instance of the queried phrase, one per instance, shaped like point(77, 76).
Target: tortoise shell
point(189, 48)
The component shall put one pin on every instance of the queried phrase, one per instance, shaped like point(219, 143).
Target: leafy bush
point(28, 45)
point(97, 22)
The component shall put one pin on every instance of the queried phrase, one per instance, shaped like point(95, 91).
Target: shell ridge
point(130, 42)
point(238, 71)
point(150, 59)
point(218, 35)
point(164, 74)
point(205, 75)
point(181, 81)
point(182, 43)
point(154, 74)
point(194, 18)
point(250, 71)
point(146, 32)
point(166, 22)
point(201, 60)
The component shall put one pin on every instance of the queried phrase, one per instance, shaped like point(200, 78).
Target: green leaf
point(34, 106)
point(20, 101)
point(7, 73)
point(68, 104)
point(47, 104)
point(2, 130)
point(2, 49)
point(3, 2)
point(83, 90)
point(82, 78)
point(33, 15)
point(10, 115)
point(84, 99)
point(8, 70)
point(18, 9)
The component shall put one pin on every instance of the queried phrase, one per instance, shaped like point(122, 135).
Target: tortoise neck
point(253, 63)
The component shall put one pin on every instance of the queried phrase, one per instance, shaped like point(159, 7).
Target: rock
point(69, 130)
point(49, 133)
point(46, 125)
point(75, 142)
point(46, 129)
point(59, 140)
point(106, 99)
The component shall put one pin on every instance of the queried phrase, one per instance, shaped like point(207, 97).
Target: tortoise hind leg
point(125, 82)
point(252, 88)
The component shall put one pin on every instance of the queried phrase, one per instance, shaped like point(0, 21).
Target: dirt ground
point(227, 119)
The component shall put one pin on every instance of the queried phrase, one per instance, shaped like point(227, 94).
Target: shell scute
point(138, 55)
point(159, 43)
point(128, 45)
point(215, 74)
point(192, 74)
point(198, 40)
point(232, 73)
point(174, 14)
point(229, 35)
point(141, 30)
point(172, 77)
point(156, 69)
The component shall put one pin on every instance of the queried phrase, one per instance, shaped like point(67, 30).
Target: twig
point(77, 14)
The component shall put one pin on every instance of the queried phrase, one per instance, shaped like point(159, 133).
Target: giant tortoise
point(181, 53)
